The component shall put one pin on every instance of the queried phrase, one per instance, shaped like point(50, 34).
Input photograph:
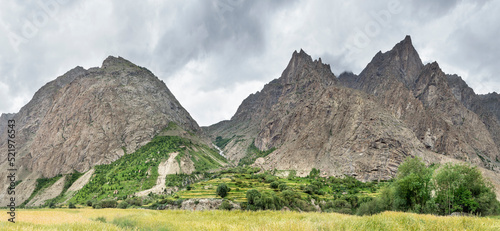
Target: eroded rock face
point(205, 204)
point(361, 125)
point(89, 117)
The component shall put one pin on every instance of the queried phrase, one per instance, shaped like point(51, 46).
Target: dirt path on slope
point(165, 168)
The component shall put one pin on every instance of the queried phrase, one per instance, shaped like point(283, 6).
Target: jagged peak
point(406, 49)
point(300, 60)
point(69, 76)
point(301, 55)
point(75, 71)
point(116, 61)
point(407, 40)
point(433, 65)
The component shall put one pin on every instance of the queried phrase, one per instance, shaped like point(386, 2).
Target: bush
point(269, 179)
point(282, 187)
point(225, 205)
point(71, 205)
point(123, 205)
point(108, 204)
point(89, 203)
point(134, 201)
point(222, 190)
point(274, 184)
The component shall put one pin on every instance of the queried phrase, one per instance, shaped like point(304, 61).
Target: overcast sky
point(212, 54)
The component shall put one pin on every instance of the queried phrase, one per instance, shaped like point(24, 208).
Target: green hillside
point(139, 170)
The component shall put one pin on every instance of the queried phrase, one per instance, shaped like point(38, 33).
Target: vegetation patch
point(253, 153)
point(221, 143)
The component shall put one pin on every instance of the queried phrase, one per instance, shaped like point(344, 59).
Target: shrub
point(225, 205)
point(108, 204)
point(269, 179)
point(282, 187)
point(71, 205)
point(274, 184)
point(89, 203)
point(123, 205)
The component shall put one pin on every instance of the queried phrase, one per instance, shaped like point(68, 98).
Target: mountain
point(360, 125)
point(90, 117)
point(421, 96)
point(309, 120)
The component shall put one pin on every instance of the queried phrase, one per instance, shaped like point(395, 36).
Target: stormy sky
point(213, 53)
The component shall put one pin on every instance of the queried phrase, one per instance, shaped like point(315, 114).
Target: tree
point(314, 173)
point(252, 196)
point(71, 205)
point(413, 187)
point(291, 174)
point(222, 190)
point(462, 188)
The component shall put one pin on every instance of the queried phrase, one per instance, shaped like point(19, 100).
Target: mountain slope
point(90, 117)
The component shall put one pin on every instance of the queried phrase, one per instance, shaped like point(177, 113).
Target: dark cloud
point(212, 54)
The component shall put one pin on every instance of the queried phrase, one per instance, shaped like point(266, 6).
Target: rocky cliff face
point(90, 117)
point(314, 122)
point(362, 125)
point(440, 115)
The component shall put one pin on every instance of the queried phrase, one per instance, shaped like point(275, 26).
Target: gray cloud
point(212, 54)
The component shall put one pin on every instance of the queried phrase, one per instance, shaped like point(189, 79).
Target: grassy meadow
point(138, 219)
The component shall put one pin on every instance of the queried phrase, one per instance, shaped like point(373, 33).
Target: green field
point(240, 183)
point(138, 219)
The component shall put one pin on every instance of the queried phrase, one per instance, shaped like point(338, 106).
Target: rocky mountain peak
point(89, 117)
point(112, 63)
point(69, 76)
point(301, 63)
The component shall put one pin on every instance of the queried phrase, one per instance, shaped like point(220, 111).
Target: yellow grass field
point(138, 219)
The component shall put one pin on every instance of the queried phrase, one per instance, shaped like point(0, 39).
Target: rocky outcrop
point(4, 118)
point(205, 204)
point(491, 102)
point(90, 117)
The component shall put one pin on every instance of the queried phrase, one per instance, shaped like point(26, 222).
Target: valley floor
point(139, 219)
